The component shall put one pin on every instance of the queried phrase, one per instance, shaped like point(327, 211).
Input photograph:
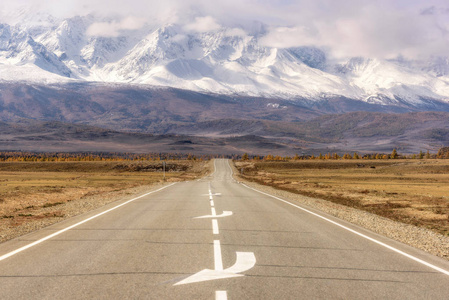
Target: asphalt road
point(245, 245)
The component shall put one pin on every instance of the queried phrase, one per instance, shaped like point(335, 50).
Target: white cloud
point(382, 28)
point(368, 30)
point(288, 37)
point(105, 29)
point(203, 24)
point(180, 38)
point(132, 23)
point(236, 32)
point(114, 29)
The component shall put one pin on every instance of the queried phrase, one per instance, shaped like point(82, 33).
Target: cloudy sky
point(345, 28)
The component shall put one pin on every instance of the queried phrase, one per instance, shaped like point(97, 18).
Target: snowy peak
point(19, 48)
point(223, 60)
point(312, 57)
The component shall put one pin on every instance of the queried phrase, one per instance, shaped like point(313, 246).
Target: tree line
point(443, 153)
point(24, 156)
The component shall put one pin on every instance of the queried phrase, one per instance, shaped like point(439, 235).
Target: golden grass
point(411, 191)
point(31, 191)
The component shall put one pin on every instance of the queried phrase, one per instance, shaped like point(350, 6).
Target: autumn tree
point(269, 157)
point(443, 152)
point(394, 154)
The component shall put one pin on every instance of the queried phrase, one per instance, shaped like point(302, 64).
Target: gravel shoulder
point(420, 238)
point(71, 209)
point(65, 204)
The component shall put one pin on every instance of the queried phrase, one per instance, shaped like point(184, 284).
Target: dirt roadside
point(36, 198)
point(418, 237)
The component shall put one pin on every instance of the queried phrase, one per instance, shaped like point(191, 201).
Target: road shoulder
point(420, 238)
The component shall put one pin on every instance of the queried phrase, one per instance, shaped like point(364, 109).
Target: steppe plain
point(37, 194)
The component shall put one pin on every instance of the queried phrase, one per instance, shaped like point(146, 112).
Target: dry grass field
point(36, 194)
point(411, 191)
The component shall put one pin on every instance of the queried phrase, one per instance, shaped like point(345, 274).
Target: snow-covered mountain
point(226, 61)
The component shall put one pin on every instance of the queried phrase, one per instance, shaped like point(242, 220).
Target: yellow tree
point(269, 157)
point(394, 154)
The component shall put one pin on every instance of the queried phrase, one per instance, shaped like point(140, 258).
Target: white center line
point(221, 295)
point(217, 256)
point(215, 226)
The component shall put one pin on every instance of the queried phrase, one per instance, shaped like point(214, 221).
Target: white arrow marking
point(244, 262)
point(224, 214)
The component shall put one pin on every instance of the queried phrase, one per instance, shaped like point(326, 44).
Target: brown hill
point(111, 117)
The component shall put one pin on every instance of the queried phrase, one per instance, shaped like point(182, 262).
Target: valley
point(92, 117)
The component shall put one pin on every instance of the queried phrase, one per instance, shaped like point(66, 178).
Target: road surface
point(214, 238)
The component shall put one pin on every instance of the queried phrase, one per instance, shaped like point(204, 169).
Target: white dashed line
point(215, 226)
point(217, 256)
point(221, 295)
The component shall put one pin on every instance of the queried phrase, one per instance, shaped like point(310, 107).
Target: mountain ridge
point(223, 61)
point(124, 114)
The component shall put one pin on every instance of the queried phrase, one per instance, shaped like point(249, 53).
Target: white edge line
point(75, 225)
point(214, 213)
point(217, 256)
point(230, 168)
point(215, 168)
point(357, 233)
point(215, 226)
point(221, 295)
